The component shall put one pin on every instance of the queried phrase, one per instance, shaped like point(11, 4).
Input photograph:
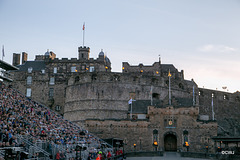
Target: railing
point(32, 148)
point(2, 153)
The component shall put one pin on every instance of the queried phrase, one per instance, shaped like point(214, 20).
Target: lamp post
point(155, 144)
point(186, 145)
point(206, 148)
point(135, 146)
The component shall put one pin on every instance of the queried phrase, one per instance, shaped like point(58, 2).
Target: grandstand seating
point(38, 130)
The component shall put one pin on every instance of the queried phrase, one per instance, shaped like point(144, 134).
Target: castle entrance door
point(170, 142)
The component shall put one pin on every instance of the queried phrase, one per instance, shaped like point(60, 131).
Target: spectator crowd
point(20, 116)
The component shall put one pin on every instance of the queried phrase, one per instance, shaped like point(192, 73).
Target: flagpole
point(83, 33)
point(193, 97)
point(169, 75)
point(2, 52)
point(131, 112)
point(151, 97)
point(212, 110)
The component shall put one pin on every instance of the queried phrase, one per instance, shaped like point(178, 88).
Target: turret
point(83, 53)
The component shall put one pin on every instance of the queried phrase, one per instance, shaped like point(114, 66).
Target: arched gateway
point(170, 142)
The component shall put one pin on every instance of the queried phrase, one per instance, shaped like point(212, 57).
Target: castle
point(153, 107)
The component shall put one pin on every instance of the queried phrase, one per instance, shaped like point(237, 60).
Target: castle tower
point(83, 53)
point(16, 59)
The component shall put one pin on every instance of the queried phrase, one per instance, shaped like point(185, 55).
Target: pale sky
point(201, 37)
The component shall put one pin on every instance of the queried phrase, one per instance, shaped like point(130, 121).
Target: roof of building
point(141, 106)
point(6, 66)
point(47, 53)
point(166, 67)
point(184, 102)
point(107, 59)
point(101, 53)
point(190, 83)
point(36, 65)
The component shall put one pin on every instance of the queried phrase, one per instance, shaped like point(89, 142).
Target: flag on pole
point(130, 101)
point(3, 51)
point(169, 74)
point(83, 28)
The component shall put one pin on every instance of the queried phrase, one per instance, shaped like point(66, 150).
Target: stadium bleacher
point(40, 132)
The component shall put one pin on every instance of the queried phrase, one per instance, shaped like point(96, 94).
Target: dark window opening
point(76, 79)
point(154, 80)
point(155, 95)
point(116, 77)
point(200, 93)
point(167, 82)
point(94, 77)
point(181, 86)
point(135, 79)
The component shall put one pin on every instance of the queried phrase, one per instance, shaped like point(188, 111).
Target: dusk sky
point(201, 37)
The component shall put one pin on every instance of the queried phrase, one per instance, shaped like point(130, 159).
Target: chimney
point(16, 59)
point(24, 57)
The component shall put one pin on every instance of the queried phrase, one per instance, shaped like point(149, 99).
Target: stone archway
point(170, 142)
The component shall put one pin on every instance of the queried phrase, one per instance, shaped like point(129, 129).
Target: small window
point(225, 97)
point(29, 90)
point(155, 96)
point(212, 95)
point(52, 81)
point(91, 69)
point(77, 79)
point(55, 70)
point(51, 92)
point(43, 71)
point(181, 86)
point(73, 69)
point(58, 108)
point(29, 80)
point(30, 70)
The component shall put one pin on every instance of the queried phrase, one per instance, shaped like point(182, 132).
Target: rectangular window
point(91, 69)
point(55, 70)
point(51, 92)
point(30, 70)
point(52, 81)
point(28, 92)
point(29, 80)
point(73, 69)
point(58, 108)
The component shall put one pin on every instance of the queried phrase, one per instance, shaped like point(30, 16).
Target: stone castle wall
point(226, 107)
point(140, 132)
point(106, 95)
